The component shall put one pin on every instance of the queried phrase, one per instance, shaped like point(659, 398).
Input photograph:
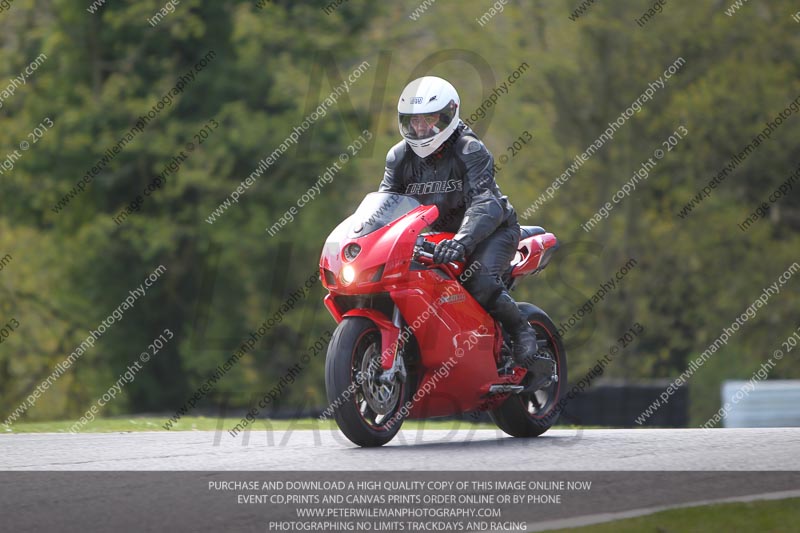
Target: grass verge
point(774, 516)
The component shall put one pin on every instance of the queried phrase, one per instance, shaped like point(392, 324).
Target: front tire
point(530, 415)
point(367, 411)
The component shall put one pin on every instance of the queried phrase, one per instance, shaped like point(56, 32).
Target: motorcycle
point(412, 343)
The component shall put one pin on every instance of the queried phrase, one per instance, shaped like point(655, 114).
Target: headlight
point(351, 251)
point(348, 274)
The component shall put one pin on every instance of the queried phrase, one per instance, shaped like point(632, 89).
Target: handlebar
point(429, 247)
point(425, 252)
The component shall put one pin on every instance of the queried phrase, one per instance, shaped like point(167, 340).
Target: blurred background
point(249, 73)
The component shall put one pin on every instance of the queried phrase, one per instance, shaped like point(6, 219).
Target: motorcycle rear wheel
point(530, 415)
point(367, 411)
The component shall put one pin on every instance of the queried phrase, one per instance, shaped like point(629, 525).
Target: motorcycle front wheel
point(367, 410)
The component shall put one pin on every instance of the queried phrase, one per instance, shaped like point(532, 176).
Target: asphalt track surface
point(457, 450)
point(160, 481)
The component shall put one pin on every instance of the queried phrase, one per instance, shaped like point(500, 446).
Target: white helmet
point(427, 113)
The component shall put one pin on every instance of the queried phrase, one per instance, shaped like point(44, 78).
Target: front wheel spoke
point(369, 412)
point(362, 407)
point(384, 393)
point(535, 401)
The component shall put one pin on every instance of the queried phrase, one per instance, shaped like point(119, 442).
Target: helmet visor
point(419, 126)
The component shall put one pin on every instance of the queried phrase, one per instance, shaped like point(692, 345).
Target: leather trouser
point(488, 262)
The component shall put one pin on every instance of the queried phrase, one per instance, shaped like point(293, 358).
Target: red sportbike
point(413, 343)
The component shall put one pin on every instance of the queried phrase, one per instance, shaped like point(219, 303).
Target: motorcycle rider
point(441, 161)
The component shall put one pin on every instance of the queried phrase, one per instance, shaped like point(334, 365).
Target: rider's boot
point(523, 338)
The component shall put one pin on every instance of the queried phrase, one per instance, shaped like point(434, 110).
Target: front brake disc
point(381, 397)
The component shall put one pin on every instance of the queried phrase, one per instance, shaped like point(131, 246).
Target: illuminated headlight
point(348, 274)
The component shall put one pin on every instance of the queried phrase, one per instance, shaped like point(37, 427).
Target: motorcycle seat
point(530, 231)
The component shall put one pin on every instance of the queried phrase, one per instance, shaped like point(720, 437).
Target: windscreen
point(378, 209)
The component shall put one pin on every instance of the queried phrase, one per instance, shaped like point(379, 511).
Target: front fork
point(397, 365)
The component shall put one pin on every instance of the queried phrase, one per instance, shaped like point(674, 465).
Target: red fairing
point(391, 247)
point(532, 254)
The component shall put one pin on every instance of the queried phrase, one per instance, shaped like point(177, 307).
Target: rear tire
point(531, 415)
point(366, 411)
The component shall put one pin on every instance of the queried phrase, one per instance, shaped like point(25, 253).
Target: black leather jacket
point(459, 179)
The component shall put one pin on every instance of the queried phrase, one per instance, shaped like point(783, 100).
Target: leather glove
point(449, 250)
